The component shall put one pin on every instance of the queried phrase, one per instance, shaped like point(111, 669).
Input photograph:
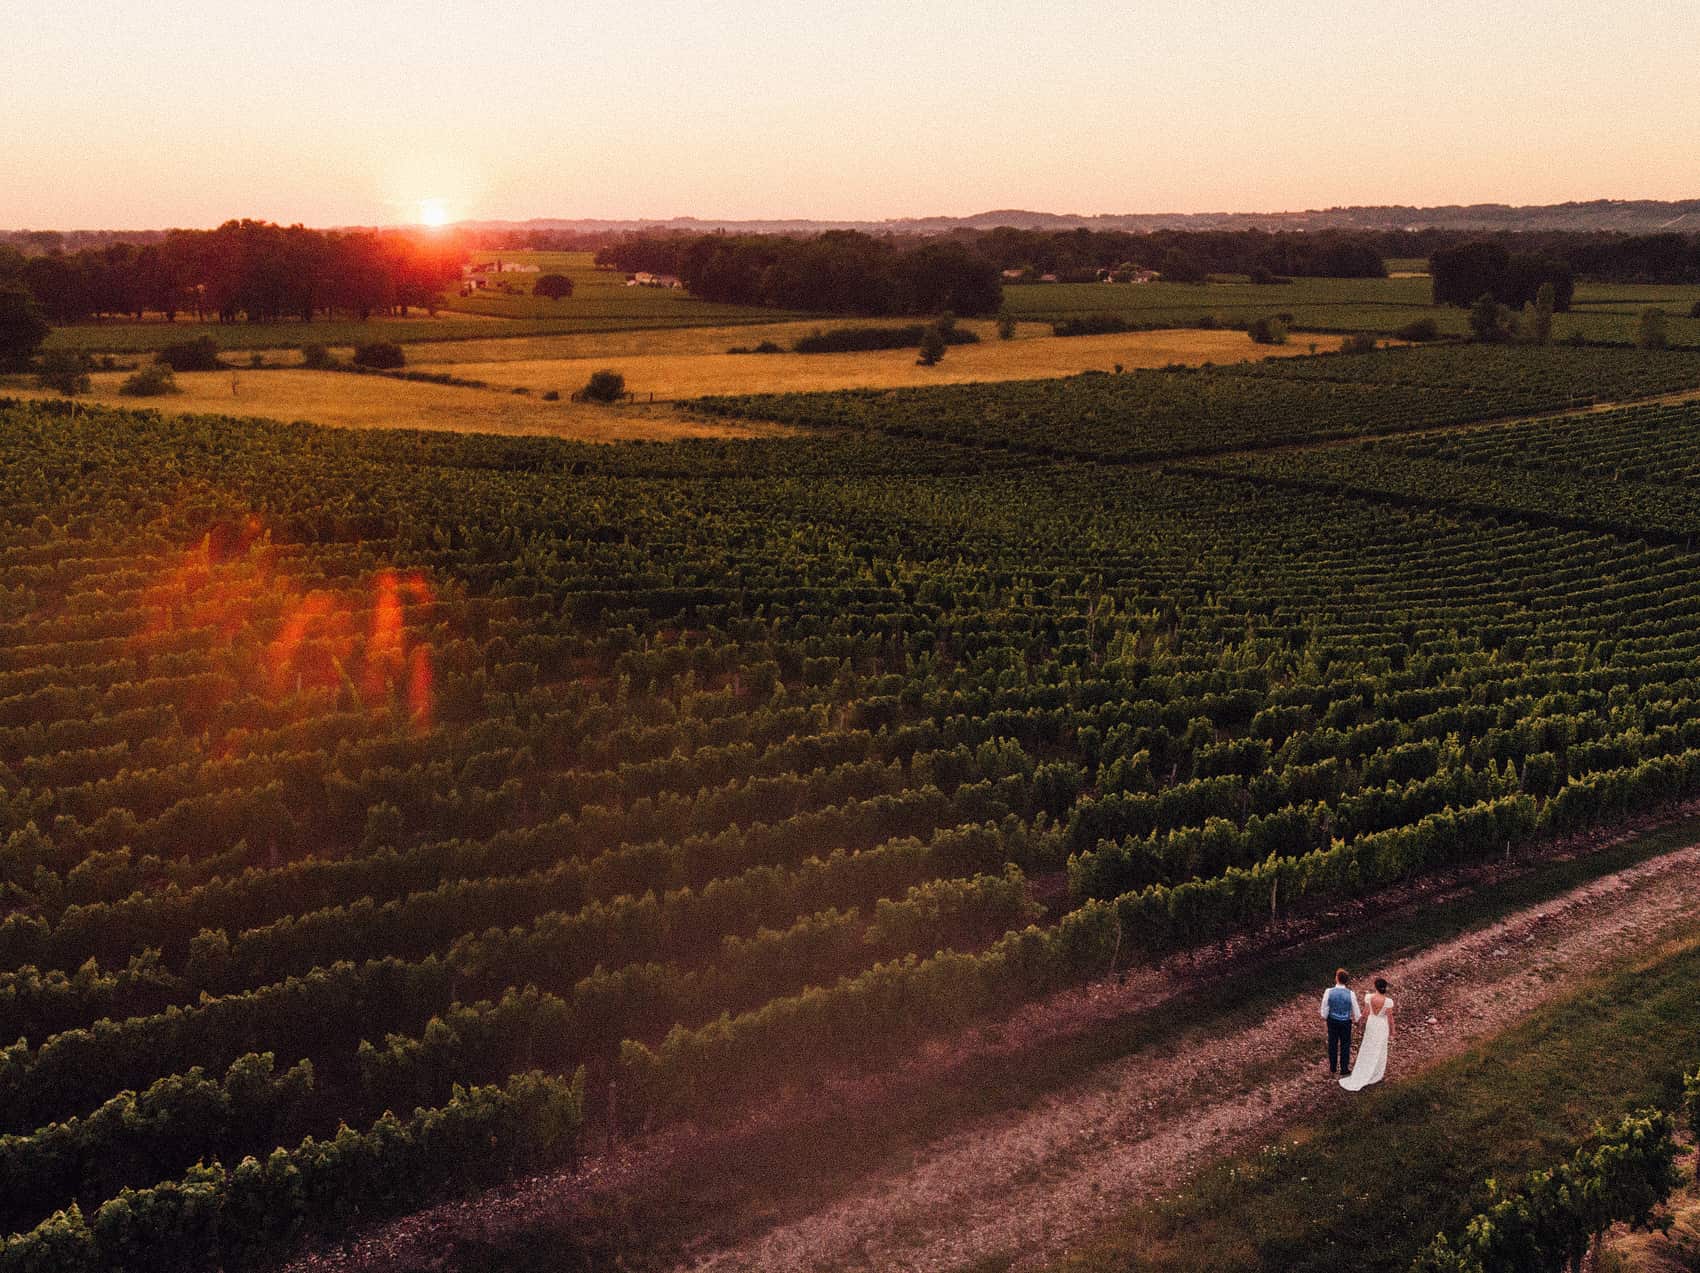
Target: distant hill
point(1625, 216)
point(1622, 216)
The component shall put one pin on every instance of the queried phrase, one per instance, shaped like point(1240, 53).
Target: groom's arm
point(1325, 1005)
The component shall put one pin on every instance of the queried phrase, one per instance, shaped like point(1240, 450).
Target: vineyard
point(1147, 415)
point(377, 808)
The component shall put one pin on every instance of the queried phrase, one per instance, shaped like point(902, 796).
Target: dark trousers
point(1339, 1046)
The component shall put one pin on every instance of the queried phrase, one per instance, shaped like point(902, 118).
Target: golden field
point(380, 402)
point(662, 368)
point(680, 364)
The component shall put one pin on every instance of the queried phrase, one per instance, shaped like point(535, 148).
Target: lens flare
point(286, 639)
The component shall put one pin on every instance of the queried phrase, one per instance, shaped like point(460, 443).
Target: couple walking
point(1340, 1008)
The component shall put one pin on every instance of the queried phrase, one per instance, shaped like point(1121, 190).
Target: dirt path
point(1035, 1182)
point(1019, 1138)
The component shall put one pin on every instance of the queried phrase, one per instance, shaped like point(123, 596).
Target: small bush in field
point(65, 370)
point(200, 354)
point(605, 386)
point(150, 382)
point(381, 354)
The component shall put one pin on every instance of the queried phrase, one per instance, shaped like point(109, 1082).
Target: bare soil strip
point(864, 1174)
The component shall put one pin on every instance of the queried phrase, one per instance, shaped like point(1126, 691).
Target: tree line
point(842, 271)
point(252, 270)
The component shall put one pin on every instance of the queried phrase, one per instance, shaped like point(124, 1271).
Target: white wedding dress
point(1372, 1052)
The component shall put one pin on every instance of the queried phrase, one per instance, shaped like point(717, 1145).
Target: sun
point(433, 213)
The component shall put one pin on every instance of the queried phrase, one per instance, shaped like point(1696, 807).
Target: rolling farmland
point(376, 800)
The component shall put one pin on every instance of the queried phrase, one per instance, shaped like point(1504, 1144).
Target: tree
point(22, 327)
point(1268, 330)
point(932, 346)
point(1537, 326)
point(200, 354)
point(1006, 324)
point(383, 354)
point(1462, 274)
point(554, 286)
point(1179, 266)
point(66, 370)
point(1650, 331)
point(1490, 322)
point(605, 386)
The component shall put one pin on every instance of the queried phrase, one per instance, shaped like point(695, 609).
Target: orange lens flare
point(347, 641)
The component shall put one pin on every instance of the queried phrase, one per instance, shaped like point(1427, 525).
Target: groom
point(1340, 1009)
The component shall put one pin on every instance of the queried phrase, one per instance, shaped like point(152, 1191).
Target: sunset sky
point(116, 114)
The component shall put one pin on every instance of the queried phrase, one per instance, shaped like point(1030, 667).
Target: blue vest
point(1339, 1004)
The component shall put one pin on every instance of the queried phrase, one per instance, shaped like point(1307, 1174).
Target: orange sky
point(179, 112)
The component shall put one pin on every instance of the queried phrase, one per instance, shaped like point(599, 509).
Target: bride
point(1378, 1031)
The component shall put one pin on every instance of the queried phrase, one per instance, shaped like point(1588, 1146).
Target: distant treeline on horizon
point(258, 271)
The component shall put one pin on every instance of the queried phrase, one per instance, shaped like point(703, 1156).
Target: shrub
point(200, 354)
point(1006, 325)
point(1694, 312)
point(1420, 330)
point(1358, 343)
point(150, 382)
point(316, 358)
point(65, 370)
point(382, 354)
point(1092, 325)
point(551, 395)
point(767, 347)
point(554, 286)
point(1650, 332)
point(1268, 330)
point(846, 340)
point(605, 386)
point(932, 346)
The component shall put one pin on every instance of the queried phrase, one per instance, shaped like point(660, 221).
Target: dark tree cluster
point(244, 269)
point(1183, 256)
point(1644, 258)
point(841, 271)
point(1464, 274)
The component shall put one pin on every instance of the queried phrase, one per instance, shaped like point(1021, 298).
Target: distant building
point(476, 275)
point(1012, 276)
point(643, 278)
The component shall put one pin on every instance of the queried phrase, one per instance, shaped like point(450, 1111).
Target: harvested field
point(381, 402)
point(688, 375)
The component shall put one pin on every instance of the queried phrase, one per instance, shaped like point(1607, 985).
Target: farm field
point(674, 365)
point(1603, 312)
point(348, 771)
point(1147, 415)
point(683, 376)
point(381, 402)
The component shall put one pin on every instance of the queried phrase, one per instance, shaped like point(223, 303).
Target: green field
point(349, 772)
point(601, 294)
point(1604, 312)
